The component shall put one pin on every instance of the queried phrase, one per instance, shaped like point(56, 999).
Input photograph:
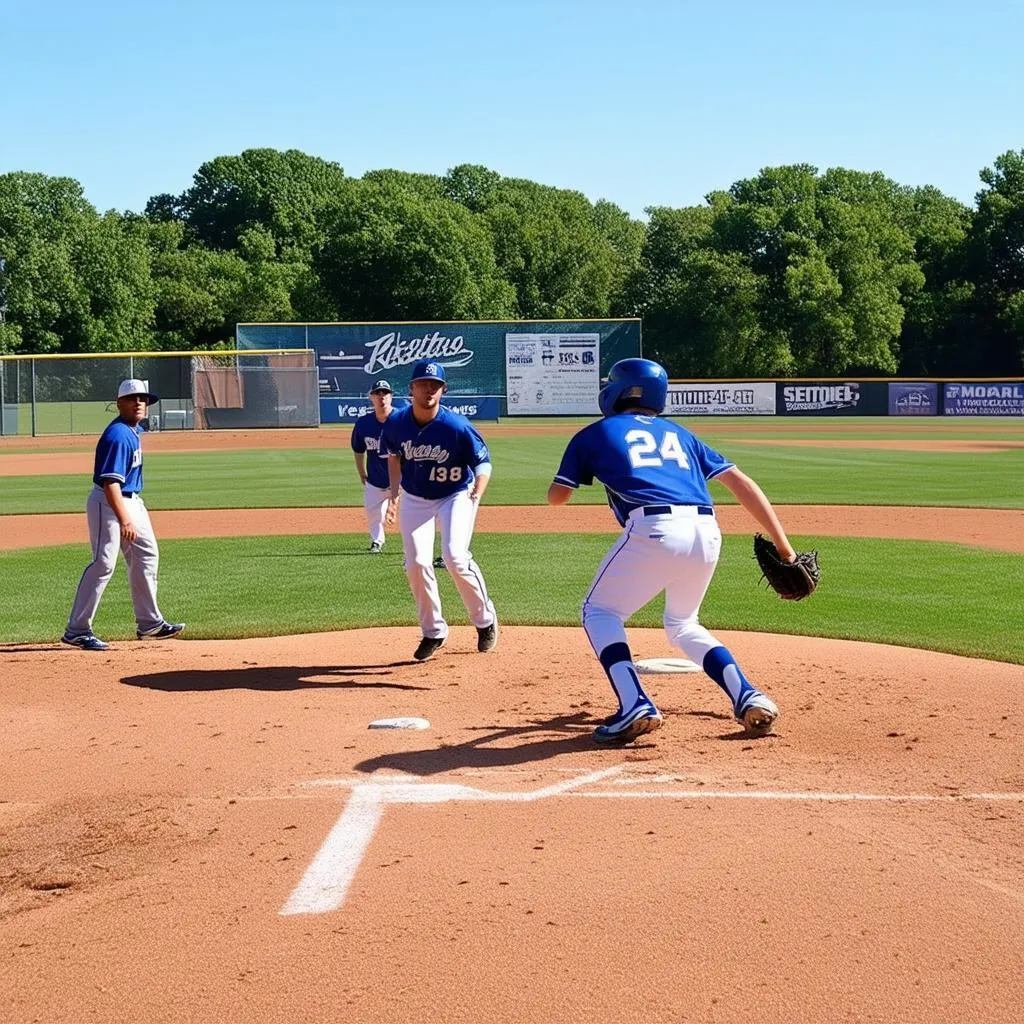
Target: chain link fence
point(44, 395)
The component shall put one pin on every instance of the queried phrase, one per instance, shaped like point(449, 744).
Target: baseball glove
point(792, 581)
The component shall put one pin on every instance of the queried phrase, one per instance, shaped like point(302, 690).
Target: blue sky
point(641, 102)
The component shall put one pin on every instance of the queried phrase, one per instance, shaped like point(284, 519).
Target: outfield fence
point(76, 394)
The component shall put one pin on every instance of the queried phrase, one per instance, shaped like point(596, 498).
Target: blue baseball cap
point(427, 369)
point(381, 385)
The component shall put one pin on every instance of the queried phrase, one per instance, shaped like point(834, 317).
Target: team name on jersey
point(136, 458)
point(424, 452)
point(372, 443)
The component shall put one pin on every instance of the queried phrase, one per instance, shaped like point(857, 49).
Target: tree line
point(794, 272)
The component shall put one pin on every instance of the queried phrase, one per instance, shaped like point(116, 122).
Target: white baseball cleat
point(758, 714)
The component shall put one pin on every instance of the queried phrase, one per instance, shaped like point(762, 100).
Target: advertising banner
point(983, 398)
point(348, 410)
point(917, 398)
point(712, 399)
point(829, 398)
point(351, 356)
point(552, 374)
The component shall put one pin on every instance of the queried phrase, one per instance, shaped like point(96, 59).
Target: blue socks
point(617, 661)
point(721, 666)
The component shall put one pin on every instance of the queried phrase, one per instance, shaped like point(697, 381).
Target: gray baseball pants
point(141, 557)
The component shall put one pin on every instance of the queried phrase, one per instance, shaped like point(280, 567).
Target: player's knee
point(591, 613)
point(102, 569)
point(457, 561)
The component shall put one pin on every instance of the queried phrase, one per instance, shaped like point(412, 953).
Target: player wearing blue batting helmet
point(427, 369)
point(641, 382)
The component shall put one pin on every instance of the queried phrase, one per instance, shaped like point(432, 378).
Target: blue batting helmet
point(427, 369)
point(641, 381)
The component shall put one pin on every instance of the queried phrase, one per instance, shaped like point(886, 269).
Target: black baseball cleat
point(487, 637)
point(439, 562)
point(162, 632)
point(429, 646)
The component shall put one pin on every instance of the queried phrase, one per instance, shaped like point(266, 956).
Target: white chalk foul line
point(324, 885)
point(326, 882)
point(717, 794)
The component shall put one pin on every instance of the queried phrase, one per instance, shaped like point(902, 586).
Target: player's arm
point(358, 443)
point(480, 481)
point(573, 471)
point(478, 458)
point(753, 499)
point(559, 494)
point(394, 482)
point(394, 476)
point(113, 471)
point(115, 499)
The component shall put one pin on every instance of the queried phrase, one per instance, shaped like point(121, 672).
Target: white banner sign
point(552, 374)
point(711, 399)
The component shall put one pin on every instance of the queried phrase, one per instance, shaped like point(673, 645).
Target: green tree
point(834, 266)
point(286, 193)
point(75, 281)
point(936, 326)
point(994, 265)
point(700, 305)
point(394, 254)
point(550, 248)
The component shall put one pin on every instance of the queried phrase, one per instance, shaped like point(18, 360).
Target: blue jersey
point(641, 460)
point(438, 459)
point(119, 457)
point(366, 437)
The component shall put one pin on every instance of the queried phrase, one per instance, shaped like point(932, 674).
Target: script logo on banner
point(391, 350)
point(986, 398)
point(757, 399)
point(819, 397)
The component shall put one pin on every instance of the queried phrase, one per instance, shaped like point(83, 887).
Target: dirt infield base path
point(163, 803)
point(1002, 529)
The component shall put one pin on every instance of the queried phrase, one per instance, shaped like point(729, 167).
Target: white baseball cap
point(134, 386)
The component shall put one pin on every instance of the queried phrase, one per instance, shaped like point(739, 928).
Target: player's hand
point(128, 532)
point(392, 513)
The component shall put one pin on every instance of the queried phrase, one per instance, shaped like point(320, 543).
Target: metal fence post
point(3, 418)
point(33, 366)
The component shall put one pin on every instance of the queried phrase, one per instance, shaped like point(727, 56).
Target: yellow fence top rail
point(48, 356)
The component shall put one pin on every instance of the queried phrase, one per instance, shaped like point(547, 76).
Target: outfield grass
point(942, 597)
point(524, 466)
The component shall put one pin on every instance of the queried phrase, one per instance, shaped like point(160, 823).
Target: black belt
point(128, 494)
point(665, 510)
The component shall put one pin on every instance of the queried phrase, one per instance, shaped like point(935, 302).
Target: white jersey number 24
point(644, 450)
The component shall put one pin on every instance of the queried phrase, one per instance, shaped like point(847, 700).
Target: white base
point(665, 666)
point(399, 723)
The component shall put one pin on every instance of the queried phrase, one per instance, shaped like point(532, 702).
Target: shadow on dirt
point(272, 678)
point(479, 752)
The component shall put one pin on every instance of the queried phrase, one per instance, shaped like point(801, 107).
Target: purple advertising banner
point(983, 398)
point(914, 399)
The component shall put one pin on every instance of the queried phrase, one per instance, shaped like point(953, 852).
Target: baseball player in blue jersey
point(655, 473)
point(118, 518)
point(372, 462)
point(440, 466)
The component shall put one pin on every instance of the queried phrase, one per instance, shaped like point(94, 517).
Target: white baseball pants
point(675, 552)
point(456, 515)
point(375, 501)
point(141, 556)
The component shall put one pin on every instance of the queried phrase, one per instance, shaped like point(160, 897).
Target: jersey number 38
point(645, 451)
